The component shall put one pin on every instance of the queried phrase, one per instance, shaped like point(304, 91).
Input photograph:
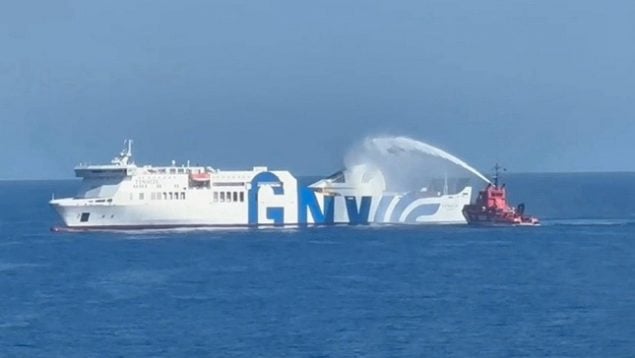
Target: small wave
point(324, 242)
point(150, 233)
point(130, 283)
point(9, 266)
point(588, 222)
point(192, 298)
point(21, 320)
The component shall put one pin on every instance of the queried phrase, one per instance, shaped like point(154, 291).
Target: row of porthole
point(229, 196)
point(161, 196)
point(83, 217)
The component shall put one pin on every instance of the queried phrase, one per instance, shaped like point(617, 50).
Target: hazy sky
point(537, 85)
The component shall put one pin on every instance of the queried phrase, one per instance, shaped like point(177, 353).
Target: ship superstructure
point(124, 195)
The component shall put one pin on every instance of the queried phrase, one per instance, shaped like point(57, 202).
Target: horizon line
point(316, 175)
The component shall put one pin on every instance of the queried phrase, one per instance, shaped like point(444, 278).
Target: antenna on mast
point(129, 152)
point(497, 170)
point(125, 156)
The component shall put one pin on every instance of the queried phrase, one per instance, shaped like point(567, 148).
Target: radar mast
point(125, 157)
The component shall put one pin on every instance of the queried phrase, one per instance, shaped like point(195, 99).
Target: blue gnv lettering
point(358, 216)
point(274, 213)
point(307, 201)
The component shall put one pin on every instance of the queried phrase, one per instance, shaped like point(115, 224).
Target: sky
point(536, 85)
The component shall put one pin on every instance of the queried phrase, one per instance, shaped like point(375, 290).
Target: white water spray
point(393, 147)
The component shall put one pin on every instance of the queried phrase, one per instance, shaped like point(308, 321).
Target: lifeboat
point(491, 208)
point(200, 177)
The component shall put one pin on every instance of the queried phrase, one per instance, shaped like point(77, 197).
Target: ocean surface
point(566, 289)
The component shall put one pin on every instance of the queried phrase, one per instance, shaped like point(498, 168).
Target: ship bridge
point(121, 166)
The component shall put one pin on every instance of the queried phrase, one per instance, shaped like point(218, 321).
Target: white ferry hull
point(384, 209)
point(125, 196)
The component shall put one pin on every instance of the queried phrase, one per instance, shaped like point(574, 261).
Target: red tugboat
point(491, 208)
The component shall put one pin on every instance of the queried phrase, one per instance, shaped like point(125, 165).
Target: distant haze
point(535, 85)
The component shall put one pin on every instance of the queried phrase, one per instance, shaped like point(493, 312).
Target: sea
point(564, 289)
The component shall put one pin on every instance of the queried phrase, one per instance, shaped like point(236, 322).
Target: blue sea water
point(565, 289)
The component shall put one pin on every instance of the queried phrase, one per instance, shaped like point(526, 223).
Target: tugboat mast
point(497, 170)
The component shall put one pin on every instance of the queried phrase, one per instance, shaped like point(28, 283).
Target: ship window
point(182, 195)
point(171, 196)
point(84, 217)
point(337, 177)
point(222, 196)
point(228, 195)
point(235, 196)
point(165, 196)
point(242, 196)
point(215, 196)
point(141, 196)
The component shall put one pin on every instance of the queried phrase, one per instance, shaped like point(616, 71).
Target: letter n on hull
point(309, 202)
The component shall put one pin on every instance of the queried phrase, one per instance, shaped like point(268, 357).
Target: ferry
point(124, 195)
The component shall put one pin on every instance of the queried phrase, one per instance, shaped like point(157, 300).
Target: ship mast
point(497, 170)
point(126, 154)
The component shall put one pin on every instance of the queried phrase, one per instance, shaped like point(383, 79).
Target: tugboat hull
point(491, 208)
point(481, 218)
